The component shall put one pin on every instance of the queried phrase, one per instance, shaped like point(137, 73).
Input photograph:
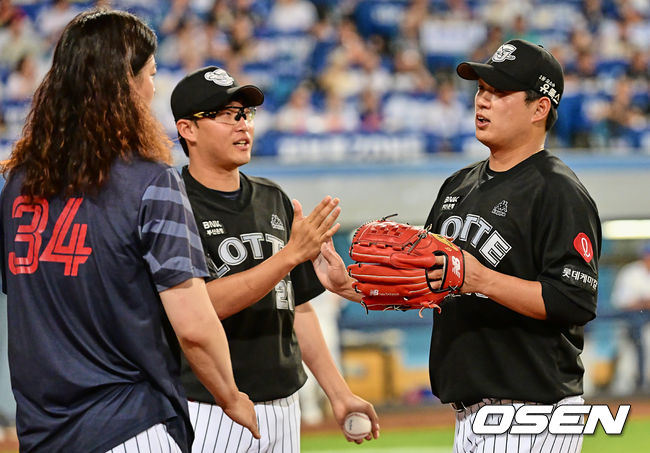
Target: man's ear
point(542, 110)
point(186, 128)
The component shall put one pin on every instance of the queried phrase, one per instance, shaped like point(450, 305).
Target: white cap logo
point(220, 77)
point(504, 53)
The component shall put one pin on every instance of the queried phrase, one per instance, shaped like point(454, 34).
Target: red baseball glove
point(392, 264)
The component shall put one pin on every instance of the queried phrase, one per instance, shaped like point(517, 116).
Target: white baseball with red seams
point(357, 425)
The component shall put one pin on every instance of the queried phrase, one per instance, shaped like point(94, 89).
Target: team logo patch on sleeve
point(583, 246)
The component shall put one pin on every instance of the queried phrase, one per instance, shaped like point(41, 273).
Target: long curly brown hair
point(86, 113)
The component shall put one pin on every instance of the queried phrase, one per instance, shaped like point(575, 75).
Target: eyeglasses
point(229, 115)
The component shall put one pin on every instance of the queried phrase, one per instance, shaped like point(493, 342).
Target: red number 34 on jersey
point(72, 254)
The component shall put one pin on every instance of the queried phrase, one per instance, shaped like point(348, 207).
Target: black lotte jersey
point(537, 222)
point(238, 235)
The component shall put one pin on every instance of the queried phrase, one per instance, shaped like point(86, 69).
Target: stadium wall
point(620, 185)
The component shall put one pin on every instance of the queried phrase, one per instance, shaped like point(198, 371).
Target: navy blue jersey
point(90, 362)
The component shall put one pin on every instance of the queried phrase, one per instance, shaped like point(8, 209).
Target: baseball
point(357, 425)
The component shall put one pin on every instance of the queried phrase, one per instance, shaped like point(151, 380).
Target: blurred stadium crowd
point(367, 67)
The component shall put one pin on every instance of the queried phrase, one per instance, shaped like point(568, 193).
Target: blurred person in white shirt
point(631, 292)
point(632, 287)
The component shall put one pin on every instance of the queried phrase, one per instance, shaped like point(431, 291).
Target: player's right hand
point(242, 411)
point(308, 233)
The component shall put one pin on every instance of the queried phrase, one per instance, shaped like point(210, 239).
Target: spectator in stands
point(325, 35)
point(178, 15)
point(350, 41)
point(581, 42)
point(339, 115)
point(410, 74)
point(372, 74)
point(218, 46)
point(405, 112)
point(338, 76)
point(581, 112)
point(52, 19)
point(521, 30)
point(292, 16)
point(298, 116)
point(639, 66)
point(18, 39)
point(23, 80)
point(370, 112)
point(447, 114)
point(614, 38)
point(242, 40)
point(409, 36)
point(586, 71)
point(631, 292)
point(221, 14)
point(623, 118)
point(593, 14)
point(189, 37)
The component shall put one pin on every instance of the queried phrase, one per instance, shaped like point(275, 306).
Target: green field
point(635, 439)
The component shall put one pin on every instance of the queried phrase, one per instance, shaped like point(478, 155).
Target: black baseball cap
point(209, 89)
point(519, 65)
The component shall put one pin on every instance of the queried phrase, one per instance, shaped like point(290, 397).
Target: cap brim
point(499, 80)
point(248, 95)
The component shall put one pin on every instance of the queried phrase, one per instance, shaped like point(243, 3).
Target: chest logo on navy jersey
point(450, 203)
point(501, 209)
point(276, 223)
point(213, 227)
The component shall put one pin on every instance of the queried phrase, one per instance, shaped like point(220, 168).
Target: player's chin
point(244, 156)
point(484, 137)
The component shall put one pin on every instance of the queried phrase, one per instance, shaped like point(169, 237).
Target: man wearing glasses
point(258, 247)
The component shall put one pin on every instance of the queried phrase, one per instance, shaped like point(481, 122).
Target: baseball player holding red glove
point(530, 235)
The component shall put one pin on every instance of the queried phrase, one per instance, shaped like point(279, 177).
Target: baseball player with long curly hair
point(101, 259)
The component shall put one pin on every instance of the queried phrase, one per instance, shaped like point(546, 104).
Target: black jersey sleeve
point(569, 237)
